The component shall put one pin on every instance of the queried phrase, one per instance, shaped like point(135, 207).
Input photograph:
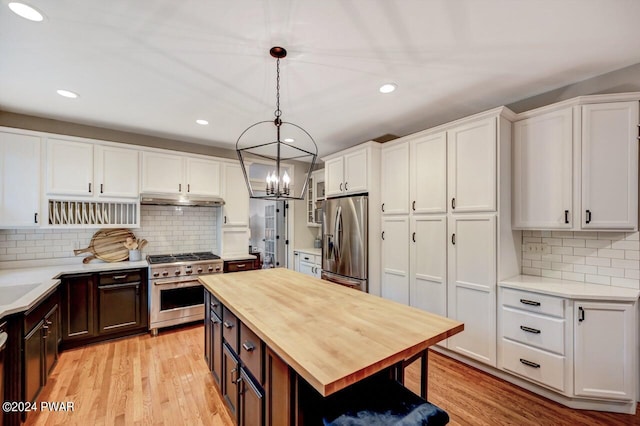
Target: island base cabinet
point(278, 390)
point(251, 401)
point(230, 376)
point(605, 339)
point(215, 350)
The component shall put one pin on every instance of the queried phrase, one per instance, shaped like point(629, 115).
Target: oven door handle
point(174, 282)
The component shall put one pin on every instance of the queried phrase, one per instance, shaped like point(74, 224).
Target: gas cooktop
point(183, 257)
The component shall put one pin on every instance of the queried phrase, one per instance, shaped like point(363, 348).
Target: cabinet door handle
point(188, 187)
point(233, 373)
point(89, 187)
point(453, 203)
point(382, 207)
point(529, 302)
point(340, 186)
point(453, 239)
point(383, 235)
point(248, 346)
point(529, 363)
point(102, 188)
point(345, 186)
point(179, 187)
point(225, 219)
point(35, 218)
point(588, 214)
point(529, 329)
point(227, 324)
point(566, 216)
point(413, 206)
point(413, 237)
point(580, 314)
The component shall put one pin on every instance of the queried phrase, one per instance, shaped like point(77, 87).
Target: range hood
point(180, 200)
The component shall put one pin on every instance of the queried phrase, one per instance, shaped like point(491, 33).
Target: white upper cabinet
point(203, 177)
point(542, 168)
point(610, 165)
point(70, 168)
point(117, 172)
point(162, 173)
point(236, 197)
point(348, 172)
point(472, 152)
point(576, 166)
point(19, 180)
point(395, 179)
point(428, 174)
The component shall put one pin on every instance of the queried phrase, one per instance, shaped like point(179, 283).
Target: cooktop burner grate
point(182, 257)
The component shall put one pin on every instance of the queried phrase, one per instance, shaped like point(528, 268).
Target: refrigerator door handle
point(338, 234)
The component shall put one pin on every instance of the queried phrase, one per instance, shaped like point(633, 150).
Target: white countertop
point(571, 289)
point(21, 288)
point(314, 251)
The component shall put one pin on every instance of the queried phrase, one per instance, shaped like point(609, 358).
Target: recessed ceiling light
point(26, 11)
point(388, 87)
point(67, 93)
point(289, 140)
point(202, 122)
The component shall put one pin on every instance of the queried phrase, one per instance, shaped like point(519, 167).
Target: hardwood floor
point(164, 381)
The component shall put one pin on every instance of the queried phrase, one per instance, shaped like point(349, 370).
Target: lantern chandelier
point(271, 145)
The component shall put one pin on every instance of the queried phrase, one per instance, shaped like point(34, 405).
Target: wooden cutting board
point(108, 245)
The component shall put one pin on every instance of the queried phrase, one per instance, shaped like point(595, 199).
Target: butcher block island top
point(331, 335)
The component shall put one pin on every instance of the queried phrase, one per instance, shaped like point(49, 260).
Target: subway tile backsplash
point(607, 258)
point(168, 229)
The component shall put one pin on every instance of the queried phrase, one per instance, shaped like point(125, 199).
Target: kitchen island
point(328, 335)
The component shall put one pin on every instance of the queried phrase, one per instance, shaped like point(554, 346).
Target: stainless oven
point(176, 296)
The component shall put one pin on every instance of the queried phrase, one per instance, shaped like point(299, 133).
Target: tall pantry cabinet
point(446, 224)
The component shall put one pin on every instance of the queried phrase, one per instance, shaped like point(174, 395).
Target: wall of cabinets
point(582, 347)
point(443, 214)
point(576, 165)
point(314, 197)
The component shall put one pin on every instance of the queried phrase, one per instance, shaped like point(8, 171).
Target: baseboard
point(625, 407)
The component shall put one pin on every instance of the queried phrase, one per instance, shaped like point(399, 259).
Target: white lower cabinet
point(472, 285)
point(395, 258)
point(308, 263)
point(584, 350)
point(605, 340)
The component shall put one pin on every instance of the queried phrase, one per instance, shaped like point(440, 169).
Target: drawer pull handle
point(227, 324)
point(529, 302)
point(529, 329)
point(529, 363)
point(248, 346)
point(242, 265)
point(119, 277)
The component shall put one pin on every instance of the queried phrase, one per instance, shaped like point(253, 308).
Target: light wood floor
point(164, 381)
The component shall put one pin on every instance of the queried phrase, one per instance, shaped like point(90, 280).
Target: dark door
point(251, 401)
point(33, 370)
point(3, 344)
point(216, 346)
point(50, 334)
point(119, 307)
point(231, 373)
point(207, 330)
point(78, 307)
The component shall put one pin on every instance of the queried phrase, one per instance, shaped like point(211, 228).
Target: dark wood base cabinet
point(101, 306)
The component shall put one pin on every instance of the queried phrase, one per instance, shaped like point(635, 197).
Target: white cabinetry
point(605, 343)
point(348, 172)
point(610, 166)
point(472, 285)
point(19, 180)
point(70, 168)
point(236, 197)
point(308, 263)
point(116, 172)
point(542, 164)
point(576, 165)
point(472, 166)
point(315, 195)
point(394, 186)
point(428, 174)
point(167, 173)
point(428, 263)
point(395, 258)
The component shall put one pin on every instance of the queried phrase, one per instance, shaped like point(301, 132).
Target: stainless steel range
point(175, 294)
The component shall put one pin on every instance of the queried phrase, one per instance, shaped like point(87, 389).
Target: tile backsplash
point(168, 229)
point(608, 258)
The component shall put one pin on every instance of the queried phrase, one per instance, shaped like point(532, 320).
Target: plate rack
point(89, 213)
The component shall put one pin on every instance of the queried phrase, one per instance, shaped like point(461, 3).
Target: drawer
point(251, 352)
point(535, 330)
point(306, 257)
point(116, 277)
point(239, 265)
point(534, 364)
point(230, 328)
point(533, 302)
point(33, 316)
point(215, 305)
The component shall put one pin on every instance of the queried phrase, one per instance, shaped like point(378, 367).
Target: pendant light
point(271, 146)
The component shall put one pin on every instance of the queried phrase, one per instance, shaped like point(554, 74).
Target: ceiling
point(154, 67)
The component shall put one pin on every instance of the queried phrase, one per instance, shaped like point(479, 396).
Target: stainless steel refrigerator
point(344, 241)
